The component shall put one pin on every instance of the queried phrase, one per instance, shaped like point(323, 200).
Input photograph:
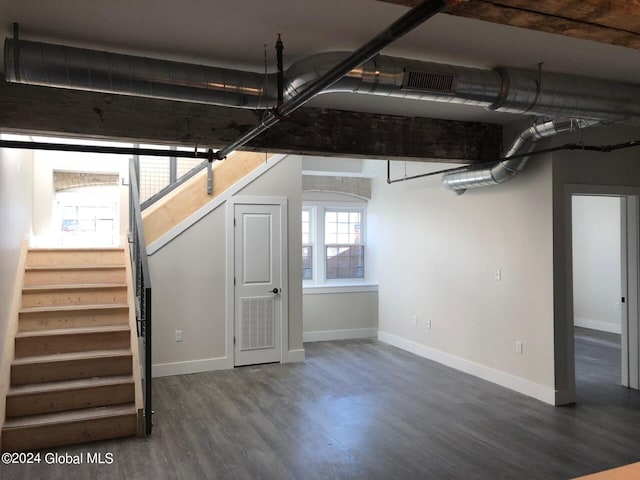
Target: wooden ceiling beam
point(606, 21)
point(311, 131)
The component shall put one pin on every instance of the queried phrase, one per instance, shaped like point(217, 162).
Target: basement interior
point(267, 239)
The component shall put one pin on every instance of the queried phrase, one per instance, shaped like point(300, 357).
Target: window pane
point(105, 213)
point(345, 261)
point(87, 225)
point(306, 226)
point(342, 227)
point(69, 212)
point(307, 268)
point(69, 225)
point(87, 213)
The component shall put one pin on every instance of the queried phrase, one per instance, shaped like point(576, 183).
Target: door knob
point(275, 290)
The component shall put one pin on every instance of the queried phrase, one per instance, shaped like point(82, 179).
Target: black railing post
point(147, 364)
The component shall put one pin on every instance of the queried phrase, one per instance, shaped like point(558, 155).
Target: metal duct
point(403, 25)
point(53, 65)
point(501, 89)
point(504, 170)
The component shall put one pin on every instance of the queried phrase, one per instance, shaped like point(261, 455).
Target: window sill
point(329, 288)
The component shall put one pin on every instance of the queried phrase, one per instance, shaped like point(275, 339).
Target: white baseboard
point(295, 356)
point(347, 334)
point(520, 385)
point(191, 366)
point(597, 325)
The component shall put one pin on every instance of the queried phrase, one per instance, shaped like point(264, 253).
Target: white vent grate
point(430, 82)
point(257, 328)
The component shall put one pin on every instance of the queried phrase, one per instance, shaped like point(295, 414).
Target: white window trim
point(342, 288)
point(319, 283)
point(312, 240)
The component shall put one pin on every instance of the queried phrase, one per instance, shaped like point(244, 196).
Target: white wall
point(16, 194)
point(435, 255)
point(46, 162)
point(340, 315)
point(16, 198)
point(596, 262)
point(189, 282)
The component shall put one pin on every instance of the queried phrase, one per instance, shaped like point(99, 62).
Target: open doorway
point(598, 308)
point(604, 232)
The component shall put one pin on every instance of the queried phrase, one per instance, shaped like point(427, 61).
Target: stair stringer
point(215, 202)
point(7, 353)
point(137, 365)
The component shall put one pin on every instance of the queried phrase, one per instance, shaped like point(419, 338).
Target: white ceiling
point(233, 34)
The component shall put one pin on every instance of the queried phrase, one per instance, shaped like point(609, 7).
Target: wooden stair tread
point(71, 416)
point(61, 357)
point(73, 331)
point(36, 268)
point(64, 308)
point(79, 286)
point(16, 390)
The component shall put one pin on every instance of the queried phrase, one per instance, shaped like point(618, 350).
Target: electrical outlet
point(415, 319)
point(616, 306)
point(178, 335)
point(428, 324)
point(498, 274)
point(519, 347)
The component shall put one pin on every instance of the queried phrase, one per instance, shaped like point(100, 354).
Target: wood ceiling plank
point(312, 131)
point(615, 22)
point(617, 14)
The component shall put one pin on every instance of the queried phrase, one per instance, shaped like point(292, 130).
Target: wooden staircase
point(75, 375)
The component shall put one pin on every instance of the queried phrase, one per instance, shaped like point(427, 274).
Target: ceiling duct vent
point(429, 82)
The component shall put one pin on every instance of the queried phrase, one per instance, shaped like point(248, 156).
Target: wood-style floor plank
point(360, 409)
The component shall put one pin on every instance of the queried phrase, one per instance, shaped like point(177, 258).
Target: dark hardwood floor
point(361, 409)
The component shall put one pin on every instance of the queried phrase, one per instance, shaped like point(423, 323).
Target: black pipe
point(63, 147)
point(280, 77)
point(567, 146)
point(413, 177)
point(16, 51)
point(400, 27)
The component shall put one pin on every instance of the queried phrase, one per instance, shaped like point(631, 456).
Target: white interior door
point(258, 284)
point(624, 310)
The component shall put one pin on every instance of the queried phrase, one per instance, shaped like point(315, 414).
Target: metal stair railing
point(142, 282)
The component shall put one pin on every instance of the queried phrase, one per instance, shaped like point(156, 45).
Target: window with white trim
point(333, 242)
point(344, 250)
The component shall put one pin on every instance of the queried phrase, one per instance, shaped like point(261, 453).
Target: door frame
point(282, 202)
point(564, 337)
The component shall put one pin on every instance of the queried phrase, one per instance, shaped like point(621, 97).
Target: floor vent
point(429, 82)
point(257, 323)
